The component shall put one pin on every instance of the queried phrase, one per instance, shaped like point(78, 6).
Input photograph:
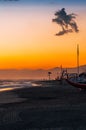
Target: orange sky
point(27, 38)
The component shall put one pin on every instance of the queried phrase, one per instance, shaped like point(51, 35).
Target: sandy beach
point(9, 97)
point(51, 106)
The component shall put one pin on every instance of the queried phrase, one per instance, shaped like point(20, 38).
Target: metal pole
point(78, 59)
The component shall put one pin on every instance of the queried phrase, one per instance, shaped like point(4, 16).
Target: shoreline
point(9, 96)
point(47, 91)
point(53, 106)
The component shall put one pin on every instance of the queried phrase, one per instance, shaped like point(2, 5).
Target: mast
point(78, 59)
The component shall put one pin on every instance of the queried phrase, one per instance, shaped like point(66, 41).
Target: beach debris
point(66, 21)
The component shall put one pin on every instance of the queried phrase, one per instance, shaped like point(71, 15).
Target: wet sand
point(9, 97)
point(51, 106)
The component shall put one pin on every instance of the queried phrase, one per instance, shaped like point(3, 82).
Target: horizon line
point(18, 69)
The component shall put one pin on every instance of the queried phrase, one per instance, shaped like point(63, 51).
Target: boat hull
point(77, 85)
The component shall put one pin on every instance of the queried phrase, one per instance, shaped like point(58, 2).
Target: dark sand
point(53, 106)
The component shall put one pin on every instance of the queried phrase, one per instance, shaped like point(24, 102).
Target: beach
point(49, 106)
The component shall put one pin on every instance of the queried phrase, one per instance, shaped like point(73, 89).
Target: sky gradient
point(27, 34)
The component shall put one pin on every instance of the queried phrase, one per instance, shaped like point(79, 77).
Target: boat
point(76, 84)
point(78, 81)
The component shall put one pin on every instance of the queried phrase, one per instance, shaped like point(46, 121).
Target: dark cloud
point(66, 21)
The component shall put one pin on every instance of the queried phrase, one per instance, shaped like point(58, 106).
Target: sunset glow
point(27, 36)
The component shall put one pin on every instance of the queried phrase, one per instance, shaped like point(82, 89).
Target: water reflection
point(6, 85)
point(35, 85)
point(5, 89)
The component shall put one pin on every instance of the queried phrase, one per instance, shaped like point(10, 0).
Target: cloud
point(66, 21)
point(63, 32)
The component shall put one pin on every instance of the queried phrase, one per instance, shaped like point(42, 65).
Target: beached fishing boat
point(76, 84)
point(76, 80)
point(79, 80)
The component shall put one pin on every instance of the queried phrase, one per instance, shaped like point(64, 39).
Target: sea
point(6, 85)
